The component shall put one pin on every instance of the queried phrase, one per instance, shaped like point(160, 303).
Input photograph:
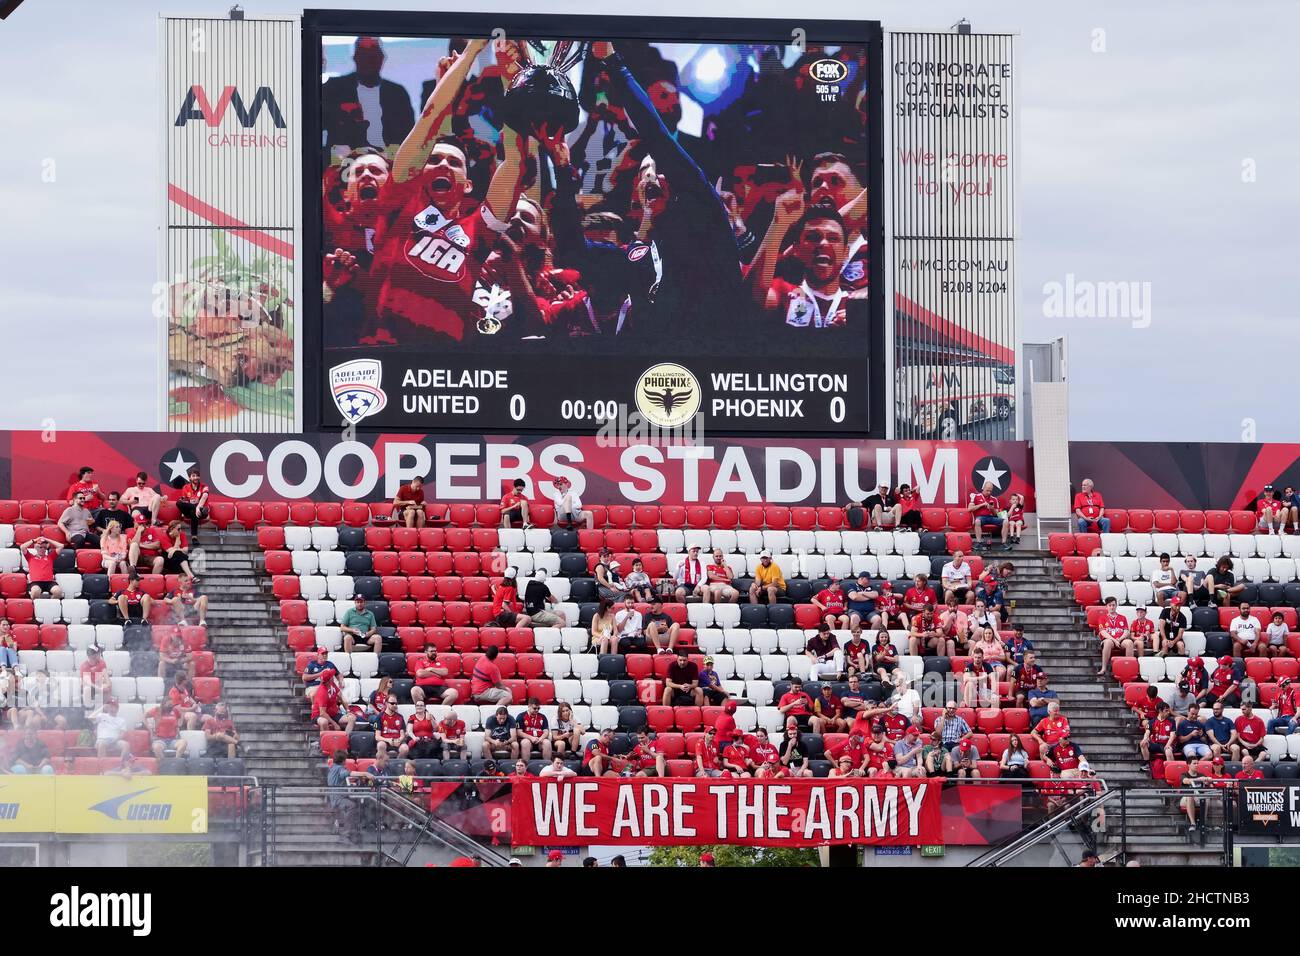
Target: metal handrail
point(1050, 827)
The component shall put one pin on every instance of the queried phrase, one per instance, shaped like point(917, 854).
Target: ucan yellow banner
point(103, 805)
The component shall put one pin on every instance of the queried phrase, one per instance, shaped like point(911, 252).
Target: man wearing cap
point(707, 763)
point(359, 624)
point(109, 729)
point(1271, 510)
point(1159, 737)
point(768, 580)
point(507, 609)
point(149, 545)
point(1285, 706)
point(1250, 732)
point(861, 602)
point(907, 754)
point(956, 577)
point(682, 683)
point(832, 603)
point(690, 577)
point(1039, 698)
point(540, 604)
point(314, 671)
point(718, 577)
point(854, 750)
point(1170, 627)
point(431, 681)
point(962, 760)
point(1223, 684)
point(660, 629)
point(883, 507)
point(1196, 674)
point(724, 726)
point(568, 506)
point(706, 860)
point(555, 858)
point(95, 679)
point(715, 695)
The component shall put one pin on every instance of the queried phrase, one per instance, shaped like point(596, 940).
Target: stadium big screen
point(522, 224)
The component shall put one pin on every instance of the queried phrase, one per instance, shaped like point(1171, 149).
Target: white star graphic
point(991, 474)
point(178, 466)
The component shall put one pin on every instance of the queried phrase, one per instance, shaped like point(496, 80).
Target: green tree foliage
point(727, 855)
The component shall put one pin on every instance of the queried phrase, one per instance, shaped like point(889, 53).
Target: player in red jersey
point(1143, 630)
point(1113, 630)
point(430, 251)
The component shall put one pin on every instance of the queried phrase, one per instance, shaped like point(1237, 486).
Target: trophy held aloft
point(541, 95)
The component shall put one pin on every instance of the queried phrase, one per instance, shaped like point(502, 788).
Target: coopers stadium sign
point(460, 468)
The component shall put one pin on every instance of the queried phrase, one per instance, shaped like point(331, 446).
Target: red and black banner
point(1206, 476)
point(603, 469)
point(647, 812)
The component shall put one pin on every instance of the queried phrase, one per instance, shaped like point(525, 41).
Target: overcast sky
point(1132, 170)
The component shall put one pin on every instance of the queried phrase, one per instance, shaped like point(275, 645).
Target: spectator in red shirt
point(1250, 732)
point(391, 730)
point(854, 751)
point(596, 758)
point(184, 597)
point(219, 731)
point(1089, 509)
point(40, 553)
point(408, 504)
point(1272, 514)
point(514, 507)
point(1248, 769)
point(1159, 736)
point(707, 763)
point(193, 503)
point(1285, 706)
point(1113, 630)
point(1148, 707)
point(725, 726)
point(327, 708)
point(431, 681)
point(486, 684)
point(451, 736)
point(420, 741)
point(986, 511)
point(132, 603)
point(534, 731)
point(647, 758)
point(87, 485)
point(149, 545)
point(737, 759)
point(797, 704)
point(507, 609)
point(832, 603)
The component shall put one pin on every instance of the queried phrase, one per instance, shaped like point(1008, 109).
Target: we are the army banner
point(648, 811)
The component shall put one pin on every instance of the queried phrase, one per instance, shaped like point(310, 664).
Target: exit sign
point(932, 850)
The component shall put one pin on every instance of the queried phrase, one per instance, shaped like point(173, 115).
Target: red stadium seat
point(803, 518)
point(1087, 544)
point(1217, 522)
point(461, 515)
point(89, 561)
point(488, 515)
point(54, 637)
point(9, 512)
point(830, 519)
point(934, 519)
point(450, 588)
point(672, 516)
point(1286, 667)
point(726, 517)
point(207, 690)
point(1118, 519)
point(302, 513)
point(32, 511)
point(356, 514)
point(1141, 520)
point(385, 562)
point(1166, 521)
point(430, 539)
point(542, 689)
point(806, 616)
point(1074, 568)
point(959, 541)
point(27, 636)
point(989, 720)
point(689, 719)
point(751, 517)
point(481, 613)
point(1244, 522)
point(646, 516)
point(645, 539)
point(520, 640)
point(270, 539)
point(1015, 720)
point(435, 512)
point(402, 613)
point(776, 517)
point(408, 562)
point(959, 519)
point(1191, 521)
point(599, 516)
point(275, 513)
point(477, 589)
point(329, 514)
point(619, 540)
point(1124, 669)
point(13, 585)
point(423, 588)
point(542, 513)
point(639, 666)
point(302, 637)
point(466, 563)
point(590, 539)
point(438, 563)
point(221, 514)
point(699, 516)
point(285, 587)
point(394, 588)
point(659, 719)
point(484, 539)
point(494, 636)
point(1259, 669)
point(19, 610)
point(458, 539)
point(381, 539)
point(293, 612)
point(620, 516)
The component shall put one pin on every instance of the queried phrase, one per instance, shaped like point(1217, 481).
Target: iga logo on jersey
point(356, 389)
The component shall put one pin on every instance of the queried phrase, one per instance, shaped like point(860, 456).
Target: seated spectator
point(1147, 707)
point(450, 736)
point(1039, 696)
point(1063, 758)
point(109, 729)
point(638, 582)
point(391, 730)
point(1271, 511)
point(824, 655)
point(766, 756)
point(500, 736)
point(884, 659)
point(1014, 762)
point(889, 608)
point(906, 700)
point(142, 500)
point(660, 629)
point(327, 710)
point(113, 549)
point(431, 681)
point(408, 783)
point(907, 754)
point(647, 758)
point(39, 554)
point(715, 694)
point(1113, 631)
point(919, 597)
point(1223, 684)
point(85, 485)
point(690, 578)
point(420, 740)
point(828, 712)
point(174, 656)
point(629, 626)
point(910, 503)
point(8, 648)
point(1275, 635)
point(558, 768)
point(1164, 581)
point(952, 726)
point(610, 585)
point(682, 683)
point(986, 514)
point(884, 508)
point(926, 637)
point(1170, 627)
point(1015, 525)
point(1052, 728)
point(1191, 738)
point(540, 605)
point(596, 758)
point(566, 737)
point(978, 681)
point(1196, 674)
point(31, 755)
point(514, 508)
point(990, 646)
point(184, 598)
point(148, 546)
point(880, 752)
point(1245, 633)
point(832, 603)
point(507, 609)
point(95, 678)
point(568, 506)
point(193, 503)
point(1191, 583)
point(1158, 736)
point(1017, 646)
point(1285, 706)
point(861, 603)
point(956, 577)
point(378, 701)
point(933, 755)
point(408, 504)
point(604, 638)
point(181, 694)
point(1183, 699)
point(718, 577)
point(1291, 503)
point(1250, 732)
point(486, 684)
point(534, 731)
point(1143, 632)
point(76, 523)
point(1222, 583)
point(769, 582)
point(359, 626)
point(312, 673)
point(132, 603)
point(794, 756)
point(1220, 733)
point(1248, 770)
point(954, 625)
point(857, 653)
point(962, 760)
point(797, 704)
point(707, 762)
point(1089, 509)
point(849, 757)
point(989, 590)
point(162, 724)
point(176, 558)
